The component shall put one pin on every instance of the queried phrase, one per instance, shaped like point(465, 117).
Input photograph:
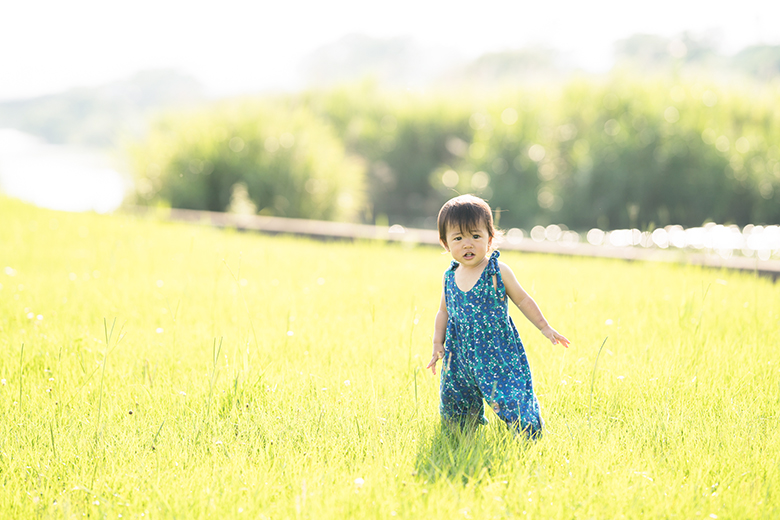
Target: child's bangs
point(467, 218)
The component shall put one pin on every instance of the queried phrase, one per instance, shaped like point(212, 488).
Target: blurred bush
point(286, 162)
point(613, 154)
point(405, 139)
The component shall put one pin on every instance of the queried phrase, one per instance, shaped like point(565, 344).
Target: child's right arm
point(439, 333)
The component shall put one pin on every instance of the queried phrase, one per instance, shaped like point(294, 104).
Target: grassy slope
point(319, 381)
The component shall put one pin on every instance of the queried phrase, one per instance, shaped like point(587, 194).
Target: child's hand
point(438, 353)
point(555, 337)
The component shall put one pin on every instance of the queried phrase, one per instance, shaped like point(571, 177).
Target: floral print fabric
point(484, 358)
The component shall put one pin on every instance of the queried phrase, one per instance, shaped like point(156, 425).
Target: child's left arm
point(528, 306)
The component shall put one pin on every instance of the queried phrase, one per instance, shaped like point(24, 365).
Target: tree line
point(609, 153)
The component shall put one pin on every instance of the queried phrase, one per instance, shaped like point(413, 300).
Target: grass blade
point(593, 378)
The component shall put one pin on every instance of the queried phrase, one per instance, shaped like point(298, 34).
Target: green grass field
point(159, 370)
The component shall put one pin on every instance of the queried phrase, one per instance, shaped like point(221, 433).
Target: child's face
point(468, 247)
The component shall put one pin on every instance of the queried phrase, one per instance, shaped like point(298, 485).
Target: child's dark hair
point(465, 212)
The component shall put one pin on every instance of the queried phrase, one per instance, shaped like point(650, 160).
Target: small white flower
point(347, 383)
point(3, 381)
point(608, 322)
point(359, 482)
point(290, 333)
point(160, 330)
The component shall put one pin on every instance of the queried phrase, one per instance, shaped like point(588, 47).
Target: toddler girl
point(483, 357)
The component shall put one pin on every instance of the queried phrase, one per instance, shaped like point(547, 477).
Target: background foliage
point(612, 153)
point(287, 162)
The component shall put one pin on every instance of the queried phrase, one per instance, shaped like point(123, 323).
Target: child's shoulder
point(505, 269)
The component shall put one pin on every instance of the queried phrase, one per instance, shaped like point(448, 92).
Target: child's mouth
point(468, 255)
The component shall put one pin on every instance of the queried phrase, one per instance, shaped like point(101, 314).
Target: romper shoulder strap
point(494, 270)
point(449, 276)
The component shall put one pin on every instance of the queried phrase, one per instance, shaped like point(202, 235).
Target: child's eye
point(476, 236)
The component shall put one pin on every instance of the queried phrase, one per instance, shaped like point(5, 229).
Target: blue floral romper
point(484, 357)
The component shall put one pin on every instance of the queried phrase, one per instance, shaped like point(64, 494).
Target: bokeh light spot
point(450, 178)
point(515, 236)
point(480, 180)
point(595, 236)
point(236, 144)
point(499, 165)
point(709, 136)
point(553, 232)
point(546, 199)
point(612, 127)
point(509, 116)
point(536, 152)
point(286, 140)
point(537, 233)
point(456, 146)
point(611, 101)
point(661, 238)
point(477, 120)
point(566, 132)
point(671, 114)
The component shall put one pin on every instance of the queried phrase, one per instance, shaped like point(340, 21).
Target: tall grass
point(324, 410)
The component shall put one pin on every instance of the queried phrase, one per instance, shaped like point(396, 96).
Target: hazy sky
point(241, 45)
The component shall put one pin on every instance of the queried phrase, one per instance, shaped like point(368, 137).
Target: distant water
point(58, 177)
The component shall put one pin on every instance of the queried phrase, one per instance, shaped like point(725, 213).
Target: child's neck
point(475, 268)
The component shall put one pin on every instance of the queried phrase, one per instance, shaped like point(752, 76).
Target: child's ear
point(444, 245)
